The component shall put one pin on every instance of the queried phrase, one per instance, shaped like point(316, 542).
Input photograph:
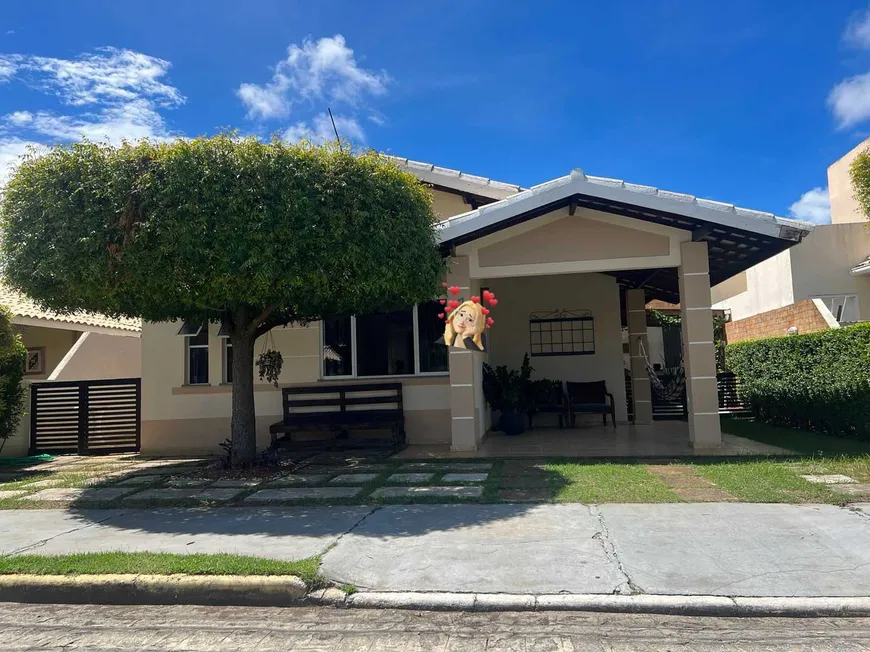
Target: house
point(821, 283)
point(80, 346)
point(571, 260)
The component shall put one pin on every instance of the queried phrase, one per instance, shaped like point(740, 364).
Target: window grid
point(197, 357)
point(564, 334)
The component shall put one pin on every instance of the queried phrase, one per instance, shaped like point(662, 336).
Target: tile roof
point(456, 179)
point(23, 306)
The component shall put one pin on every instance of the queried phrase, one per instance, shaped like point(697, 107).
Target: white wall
point(95, 356)
point(518, 297)
point(844, 206)
point(768, 286)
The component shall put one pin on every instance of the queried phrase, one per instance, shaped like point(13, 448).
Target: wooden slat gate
point(88, 417)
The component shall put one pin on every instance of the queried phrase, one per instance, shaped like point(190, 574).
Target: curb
point(288, 591)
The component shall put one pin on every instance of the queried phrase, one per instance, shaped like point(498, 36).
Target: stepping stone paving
point(524, 495)
point(851, 489)
point(688, 485)
point(235, 484)
point(313, 493)
point(834, 478)
point(410, 478)
point(465, 477)
point(303, 478)
point(354, 478)
point(10, 494)
point(50, 482)
point(185, 494)
point(440, 492)
point(188, 482)
point(446, 464)
point(138, 480)
point(77, 494)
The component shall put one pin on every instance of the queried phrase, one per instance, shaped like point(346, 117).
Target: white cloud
point(325, 69)
point(7, 69)
point(10, 154)
point(813, 206)
point(320, 130)
point(857, 32)
point(850, 100)
point(19, 118)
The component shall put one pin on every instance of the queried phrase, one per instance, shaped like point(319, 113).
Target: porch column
point(635, 310)
point(463, 415)
point(699, 355)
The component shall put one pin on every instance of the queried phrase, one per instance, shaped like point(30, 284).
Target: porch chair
point(590, 398)
point(548, 397)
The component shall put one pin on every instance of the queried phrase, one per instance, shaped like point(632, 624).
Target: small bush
point(13, 355)
point(819, 381)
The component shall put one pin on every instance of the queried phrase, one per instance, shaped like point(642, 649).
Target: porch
point(660, 439)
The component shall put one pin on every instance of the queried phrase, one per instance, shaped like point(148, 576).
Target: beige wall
point(844, 207)
point(765, 286)
point(95, 356)
point(183, 419)
point(446, 204)
point(57, 343)
point(518, 297)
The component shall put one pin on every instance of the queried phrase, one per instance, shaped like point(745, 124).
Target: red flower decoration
point(475, 299)
point(490, 321)
point(440, 315)
point(454, 290)
point(493, 302)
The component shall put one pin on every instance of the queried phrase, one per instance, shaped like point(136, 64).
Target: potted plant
point(509, 392)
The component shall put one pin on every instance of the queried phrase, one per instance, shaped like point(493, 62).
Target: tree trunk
point(244, 426)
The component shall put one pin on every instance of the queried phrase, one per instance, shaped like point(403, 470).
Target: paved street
point(732, 549)
point(25, 628)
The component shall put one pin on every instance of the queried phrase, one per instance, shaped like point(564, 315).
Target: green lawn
point(765, 482)
point(606, 483)
point(800, 441)
point(147, 563)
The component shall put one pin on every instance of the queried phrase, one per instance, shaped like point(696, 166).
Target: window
point(197, 357)
point(397, 343)
point(228, 360)
point(563, 332)
point(844, 308)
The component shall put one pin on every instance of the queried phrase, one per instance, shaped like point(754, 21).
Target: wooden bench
point(590, 398)
point(339, 408)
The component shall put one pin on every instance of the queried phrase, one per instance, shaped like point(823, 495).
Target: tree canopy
point(253, 234)
point(859, 171)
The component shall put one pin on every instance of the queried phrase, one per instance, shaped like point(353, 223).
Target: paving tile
point(301, 478)
point(347, 468)
point(66, 495)
point(138, 480)
point(50, 482)
point(185, 494)
point(10, 493)
point(523, 495)
point(354, 478)
point(465, 477)
point(670, 469)
point(707, 495)
point(310, 493)
point(416, 492)
point(437, 465)
point(410, 478)
point(188, 482)
point(686, 482)
point(235, 484)
point(851, 489)
point(834, 478)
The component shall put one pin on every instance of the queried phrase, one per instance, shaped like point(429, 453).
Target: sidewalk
point(720, 549)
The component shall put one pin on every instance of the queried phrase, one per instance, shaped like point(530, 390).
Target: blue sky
point(745, 102)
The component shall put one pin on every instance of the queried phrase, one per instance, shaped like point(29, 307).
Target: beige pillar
point(641, 391)
point(699, 356)
point(463, 412)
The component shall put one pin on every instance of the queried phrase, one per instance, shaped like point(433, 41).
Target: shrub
point(819, 381)
point(12, 358)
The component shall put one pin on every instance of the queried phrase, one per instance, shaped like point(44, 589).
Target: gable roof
point(455, 180)
point(738, 238)
point(23, 306)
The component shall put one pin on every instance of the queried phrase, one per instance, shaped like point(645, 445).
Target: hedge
point(13, 355)
point(819, 381)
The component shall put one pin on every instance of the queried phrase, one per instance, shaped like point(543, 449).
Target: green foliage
point(200, 228)
point(509, 390)
point(818, 382)
point(662, 319)
point(859, 172)
point(13, 354)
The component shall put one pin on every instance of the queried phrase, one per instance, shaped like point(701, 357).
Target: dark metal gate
point(88, 417)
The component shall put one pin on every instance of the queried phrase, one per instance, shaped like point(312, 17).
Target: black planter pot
point(512, 423)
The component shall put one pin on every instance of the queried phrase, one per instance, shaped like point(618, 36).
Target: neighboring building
point(821, 283)
point(81, 346)
point(567, 259)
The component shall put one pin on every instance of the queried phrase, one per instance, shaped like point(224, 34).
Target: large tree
point(224, 229)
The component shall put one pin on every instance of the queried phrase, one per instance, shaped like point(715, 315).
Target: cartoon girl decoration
point(465, 321)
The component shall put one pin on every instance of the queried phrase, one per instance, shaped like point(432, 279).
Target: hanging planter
point(270, 361)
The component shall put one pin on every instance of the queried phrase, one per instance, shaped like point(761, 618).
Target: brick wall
point(775, 323)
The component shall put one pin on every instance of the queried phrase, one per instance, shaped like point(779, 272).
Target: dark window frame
point(545, 323)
